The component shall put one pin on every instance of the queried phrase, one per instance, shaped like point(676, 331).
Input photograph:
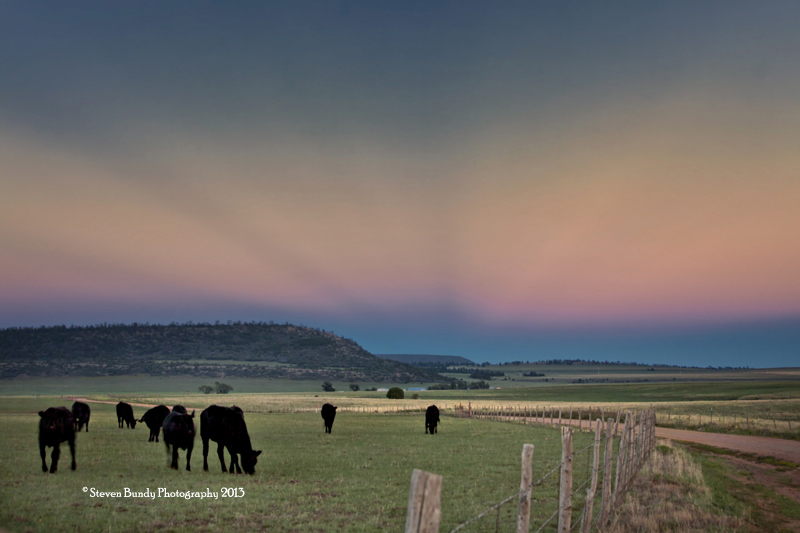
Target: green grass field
point(676, 384)
point(356, 479)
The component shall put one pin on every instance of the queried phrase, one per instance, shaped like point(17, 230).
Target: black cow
point(328, 414)
point(431, 419)
point(154, 418)
point(226, 427)
point(125, 415)
point(179, 409)
point(179, 433)
point(56, 426)
point(80, 414)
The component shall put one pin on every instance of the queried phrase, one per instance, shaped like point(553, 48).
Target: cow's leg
point(174, 464)
point(72, 452)
point(234, 462)
point(44, 456)
point(54, 458)
point(221, 455)
point(87, 426)
point(205, 454)
point(188, 457)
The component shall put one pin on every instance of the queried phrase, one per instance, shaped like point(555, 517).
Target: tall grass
point(671, 494)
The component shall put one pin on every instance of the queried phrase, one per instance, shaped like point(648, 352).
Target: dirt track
point(788, 450)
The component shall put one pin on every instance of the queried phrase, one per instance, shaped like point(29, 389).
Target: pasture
point(575, 382)
point(355, 479)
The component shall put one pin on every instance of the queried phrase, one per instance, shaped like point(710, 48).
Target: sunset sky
point(496, 180)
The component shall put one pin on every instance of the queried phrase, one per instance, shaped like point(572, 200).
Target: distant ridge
point(238, 349)
point(424, 358)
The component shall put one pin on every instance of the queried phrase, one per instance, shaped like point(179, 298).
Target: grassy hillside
point(254, 350)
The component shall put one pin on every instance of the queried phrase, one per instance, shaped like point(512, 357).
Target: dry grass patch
point(670, 494)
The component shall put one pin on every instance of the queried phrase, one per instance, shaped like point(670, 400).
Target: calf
point(431, 419)
point(80, 414)
point(179, 433)
point(154, 418)
point(328, 414)
point(125, 415)
point(56, 426)
point(226, 427)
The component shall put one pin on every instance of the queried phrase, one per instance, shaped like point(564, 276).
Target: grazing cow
point(179, 433)
point(80, 414)
point(431, 419)
point(226, 427)
point(125, 415)
point(56, 426)
point(328, 414)
point(154, 418)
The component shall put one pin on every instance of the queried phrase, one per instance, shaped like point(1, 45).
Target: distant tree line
point(219, 388)
point(458, 384)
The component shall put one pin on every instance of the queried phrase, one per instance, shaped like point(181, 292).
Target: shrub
point(327, 386)
point(354, 387)
point(222, 388)
point(395, 393)
point(415, 396)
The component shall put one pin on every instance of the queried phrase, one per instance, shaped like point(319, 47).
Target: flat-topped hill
point(253, 349)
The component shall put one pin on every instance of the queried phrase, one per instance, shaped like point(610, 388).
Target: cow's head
point(53, 419)
point(133, 424)
point(249, 460)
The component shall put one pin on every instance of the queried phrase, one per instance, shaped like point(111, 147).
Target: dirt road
point(788, 450)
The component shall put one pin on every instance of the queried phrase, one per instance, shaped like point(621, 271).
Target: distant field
point(557, 377)
point(606, 373)
point(638, 392)
point(140, 384)
point(354, 480)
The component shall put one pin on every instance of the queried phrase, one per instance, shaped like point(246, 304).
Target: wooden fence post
point(621, 456)
point(586, 524)
point(616, 427)
point(524, 509)
point(580, 419)
point(631, 451)
point(565, 489)
point(424, 512)
point(607, 470)
point(560, 423)
point(640, 445)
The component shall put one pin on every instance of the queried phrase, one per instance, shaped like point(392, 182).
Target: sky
point(496, 180)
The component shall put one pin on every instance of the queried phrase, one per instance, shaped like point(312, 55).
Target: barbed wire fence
point(606, 479)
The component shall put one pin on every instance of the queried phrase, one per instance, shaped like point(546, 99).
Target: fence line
point(636, 443)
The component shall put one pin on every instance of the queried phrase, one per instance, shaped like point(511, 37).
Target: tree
point(415, 396)
point(354, 387)
point(327, 386)
point(395, 393)
point(205, 389)
point(222, 388)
